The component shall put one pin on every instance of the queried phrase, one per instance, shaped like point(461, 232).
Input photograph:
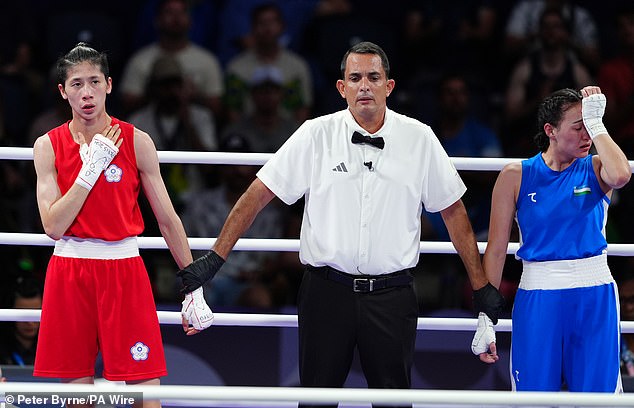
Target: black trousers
point(334, 320)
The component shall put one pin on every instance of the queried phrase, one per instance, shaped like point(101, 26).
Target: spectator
point(57, 112)
point(469, 37)
point(19, 341)
point(616, 79)
point(334, 27)
point(268, 126)
point(21, 84)
point(421, 30)
point(463, 135)
point(245, 272)
point(16, 191)
point(551, 66)
point(267, 26)
point(523, 28)
point(175, 123)
point(203, 26)
point(458, 126)
point(170, 116)
point(202, 71)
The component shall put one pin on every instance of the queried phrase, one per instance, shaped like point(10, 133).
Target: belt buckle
point(362, 285)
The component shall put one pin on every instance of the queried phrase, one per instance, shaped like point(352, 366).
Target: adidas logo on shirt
point(340, 168)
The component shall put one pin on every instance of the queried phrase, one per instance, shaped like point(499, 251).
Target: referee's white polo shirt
point(358, 220)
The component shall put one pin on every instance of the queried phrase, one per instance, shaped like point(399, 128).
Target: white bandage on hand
point(592, 110)
point(196, 311)
point(484, 335)
point(95, 160)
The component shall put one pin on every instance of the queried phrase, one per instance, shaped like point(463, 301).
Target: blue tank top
point(560, 214)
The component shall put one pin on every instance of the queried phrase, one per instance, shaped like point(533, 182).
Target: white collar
point(383, 131)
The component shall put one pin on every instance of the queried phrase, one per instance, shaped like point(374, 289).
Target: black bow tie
point(374, 141)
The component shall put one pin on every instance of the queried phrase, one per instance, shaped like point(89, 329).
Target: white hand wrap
point(484, 335)
point(100, 153)
point(196, 311)
point(592, 110)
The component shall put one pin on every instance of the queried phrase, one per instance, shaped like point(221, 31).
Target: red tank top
point(111, 211)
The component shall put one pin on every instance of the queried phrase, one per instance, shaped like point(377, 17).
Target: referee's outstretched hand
point(488, 300)
point(200, 271)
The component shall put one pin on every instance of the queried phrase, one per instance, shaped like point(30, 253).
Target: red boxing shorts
point(97, 297)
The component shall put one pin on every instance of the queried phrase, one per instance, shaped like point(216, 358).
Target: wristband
point(200, 271)
point(488, 300)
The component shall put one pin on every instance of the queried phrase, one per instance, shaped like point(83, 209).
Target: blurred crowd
point(242, 75)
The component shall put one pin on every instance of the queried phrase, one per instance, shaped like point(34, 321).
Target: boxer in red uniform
point(97, 294)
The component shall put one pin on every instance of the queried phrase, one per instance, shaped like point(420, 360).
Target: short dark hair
point(264, 7)
point(24, 286)
point(28, 287)
point(366, 47)
point(82, 52)
point(160, 6)
point(449, 76)
point(555, 11)
point(552, 110)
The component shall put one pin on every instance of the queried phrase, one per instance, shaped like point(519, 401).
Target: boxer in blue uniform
point(566, 312)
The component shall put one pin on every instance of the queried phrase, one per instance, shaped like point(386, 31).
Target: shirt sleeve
point(517, 24)
point(289, 171)
point(134, 77)
point(443, 186)
point(214, 81)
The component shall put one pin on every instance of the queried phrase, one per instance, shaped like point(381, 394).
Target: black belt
point(364, 283)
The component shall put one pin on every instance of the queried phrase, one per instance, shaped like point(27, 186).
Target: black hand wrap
point(488, 300)
point(200, 271)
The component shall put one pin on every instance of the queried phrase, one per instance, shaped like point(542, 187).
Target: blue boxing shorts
point(566, 327)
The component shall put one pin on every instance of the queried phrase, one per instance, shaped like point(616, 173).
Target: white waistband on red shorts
point(91, 248)
point(566, 274)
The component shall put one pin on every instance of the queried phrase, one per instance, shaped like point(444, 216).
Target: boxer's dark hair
point(552, 110)
point(82, 52)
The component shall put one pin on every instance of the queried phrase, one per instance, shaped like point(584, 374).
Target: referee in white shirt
point(365, 173)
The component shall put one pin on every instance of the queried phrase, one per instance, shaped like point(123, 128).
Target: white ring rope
point(331, 395)
point(289, 320)
point(168, 156)
point(269, 244)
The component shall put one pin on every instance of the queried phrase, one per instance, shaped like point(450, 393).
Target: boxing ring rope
point(265, 244)
point(288, 320)
point(187, 395)
point(183, 157)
